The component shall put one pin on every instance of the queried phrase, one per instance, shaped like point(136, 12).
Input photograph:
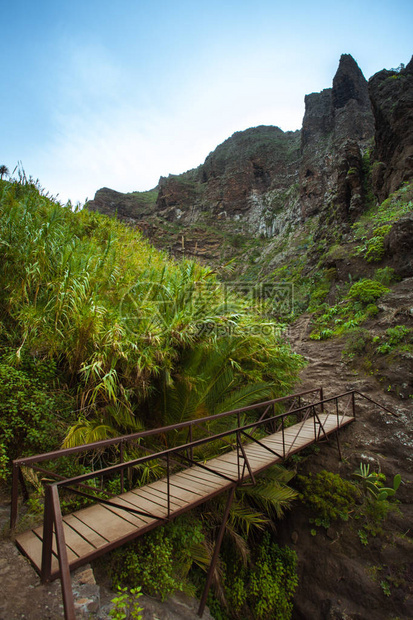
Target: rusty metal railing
point(319, 411)
point(137, 438)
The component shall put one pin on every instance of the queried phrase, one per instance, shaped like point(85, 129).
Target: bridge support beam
point(216, 552)
point(338, 446)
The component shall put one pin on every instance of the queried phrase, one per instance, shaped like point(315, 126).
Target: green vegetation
point(330, 497)
point(126, 605)
point(121, 322)
point(372, 227)
point(367, 291)
point(373, 248)
point(348, 314)
point(34, 416)
point(160, 561)
point(393, 337)
point(263, 588)
point(373, 483)
point(101, 334)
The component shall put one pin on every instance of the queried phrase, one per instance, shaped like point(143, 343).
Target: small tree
point(4, 171)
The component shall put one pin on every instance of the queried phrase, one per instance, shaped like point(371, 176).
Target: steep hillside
point(328, 212)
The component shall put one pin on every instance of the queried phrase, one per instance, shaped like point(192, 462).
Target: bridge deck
point(94, 530)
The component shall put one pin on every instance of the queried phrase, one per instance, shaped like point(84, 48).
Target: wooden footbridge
point(248, 441)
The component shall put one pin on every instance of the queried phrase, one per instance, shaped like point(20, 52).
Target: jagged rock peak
point(349, 83)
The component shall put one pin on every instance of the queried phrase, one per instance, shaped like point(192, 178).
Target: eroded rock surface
point(391, 94)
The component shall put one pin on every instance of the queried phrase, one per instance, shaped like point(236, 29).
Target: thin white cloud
point(102, 138)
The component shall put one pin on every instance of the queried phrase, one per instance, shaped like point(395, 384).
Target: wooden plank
point(160, 487)
point(186, 485)
point(209, 474)
point(262, 457)
point(31, 545)
point(106, 523)
point(129, 502)
point(76, 542)
point(199, 478)
point(258, 450)
point(89, 534)
point(160, 498)
point(267, 455)
point(135, 498)
point(223, 466)
point(158, 504)
point(134, 519)
point(71, 555)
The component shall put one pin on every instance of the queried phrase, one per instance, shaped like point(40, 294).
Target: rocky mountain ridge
point(263, 182)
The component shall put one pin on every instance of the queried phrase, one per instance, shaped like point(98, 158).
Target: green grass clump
point(349, 313)
point(393, 337)
point(328, 495)
point(367, 291)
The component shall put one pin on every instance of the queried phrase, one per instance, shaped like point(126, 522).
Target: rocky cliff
point(262, 182)
point(338, 128)
point(391, 94)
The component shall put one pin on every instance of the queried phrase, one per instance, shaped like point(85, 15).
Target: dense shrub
point(328, 495)
point(263, 589)
point(367, 291)
point(160, 561)
point(33, 415)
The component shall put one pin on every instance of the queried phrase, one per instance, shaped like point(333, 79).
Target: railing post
point(312, 408)
point(216, 553)
point(14, 496)
point(122, 485)
point(322, 398)
point(282, 431)
point(168, 490)
point(337, 413)
point(191, 449)
point(238, 458)
point(65, 580)
point(46, 570)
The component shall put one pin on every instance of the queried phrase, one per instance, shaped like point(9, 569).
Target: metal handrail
point(155, 431)
point(124, 439)
point(53, 522)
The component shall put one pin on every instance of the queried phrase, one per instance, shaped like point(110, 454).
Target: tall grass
point(119, 317)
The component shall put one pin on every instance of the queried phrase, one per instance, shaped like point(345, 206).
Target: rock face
point(399, 246)
point(245, 180)
point(337, 129)
point(391, 94)
point(264, 183)
point(134, 206)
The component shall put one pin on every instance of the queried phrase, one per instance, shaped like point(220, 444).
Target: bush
point(386, 275)
point(160, 561)
point(374, 249)
point(367, 291)
point(32, 415)
point(328, 495)
point(264, 590)
point(393, 337)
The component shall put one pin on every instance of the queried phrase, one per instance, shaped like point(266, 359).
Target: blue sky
point(96, 93)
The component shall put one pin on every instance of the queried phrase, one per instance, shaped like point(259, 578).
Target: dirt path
point(340, 579)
